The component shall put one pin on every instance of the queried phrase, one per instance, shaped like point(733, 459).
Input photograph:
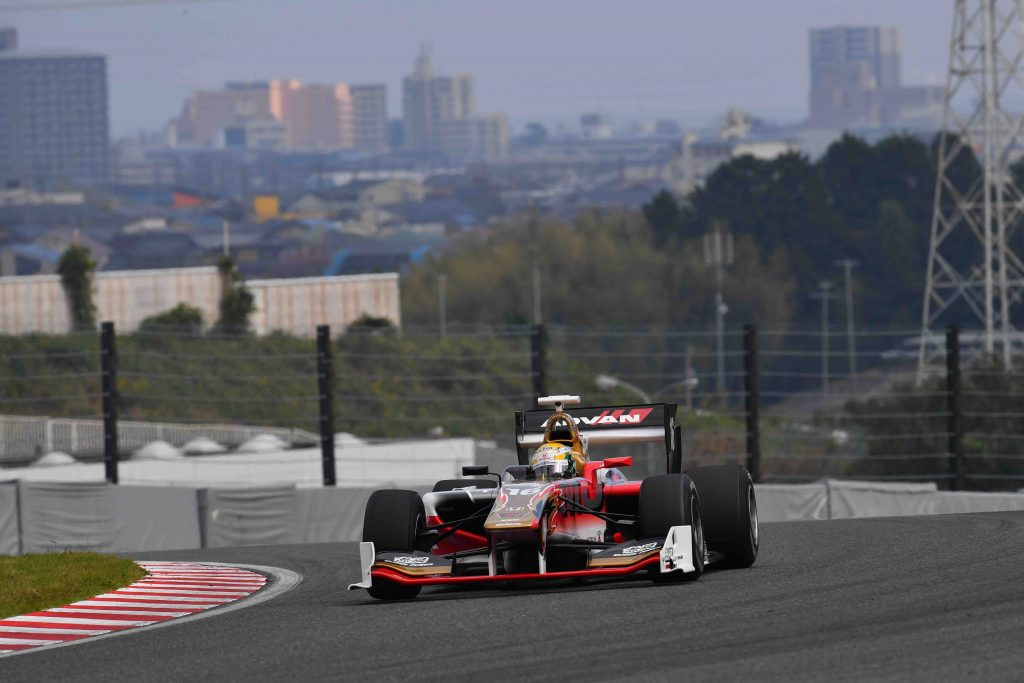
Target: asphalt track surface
point(911, 598)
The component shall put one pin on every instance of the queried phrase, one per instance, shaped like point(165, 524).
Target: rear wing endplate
point(608, 425)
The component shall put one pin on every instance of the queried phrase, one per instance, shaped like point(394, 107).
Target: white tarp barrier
point(8, 518)
point(789, 502)
point(249, 516)
point(107, 518)
point(879, 499)
point(57, 517)
point(947, 502)
point(154, 518)
point(328, 515)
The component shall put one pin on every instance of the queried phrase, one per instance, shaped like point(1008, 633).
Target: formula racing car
point(560, 515)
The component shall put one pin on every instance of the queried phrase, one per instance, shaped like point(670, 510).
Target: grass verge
point(35, 582)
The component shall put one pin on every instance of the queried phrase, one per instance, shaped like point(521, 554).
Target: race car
point(560, 515)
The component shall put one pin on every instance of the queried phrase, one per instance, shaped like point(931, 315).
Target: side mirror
point(474, 470)
point(624, 461)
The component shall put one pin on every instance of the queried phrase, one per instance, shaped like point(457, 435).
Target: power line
point(95, 4)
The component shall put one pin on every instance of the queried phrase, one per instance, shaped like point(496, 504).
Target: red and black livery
point(512, 527)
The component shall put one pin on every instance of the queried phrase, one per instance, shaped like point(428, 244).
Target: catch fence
point(795, 405)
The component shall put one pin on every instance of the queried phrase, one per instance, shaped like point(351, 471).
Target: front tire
point(393, 521)
point(730, 512)
point(669, 500)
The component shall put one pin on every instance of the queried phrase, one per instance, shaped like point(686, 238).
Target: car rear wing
point(608, 425)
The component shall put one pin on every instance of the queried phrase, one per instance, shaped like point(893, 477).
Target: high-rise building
point(428, 99)
point(370, 117)
point(439, 115)
point(208, 112)
point(856, 79)
point(8, 38)
point(475, 139)
point(317, 116)
point(54, 124)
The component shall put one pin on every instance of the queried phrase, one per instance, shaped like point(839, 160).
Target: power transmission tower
point(970, 269)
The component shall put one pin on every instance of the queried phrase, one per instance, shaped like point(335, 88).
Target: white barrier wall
point(83, 516)
point(9, 518)
point(101, 517)
point(36, 303)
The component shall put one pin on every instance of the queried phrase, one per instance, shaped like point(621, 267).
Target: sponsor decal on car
point(407, 561)
point(612, 417)
point(634, 550)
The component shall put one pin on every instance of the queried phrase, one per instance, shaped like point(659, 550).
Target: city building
point(207, 113)
point(479, 138)
point(37, 303)
point(856, 82)
point(264, 134)
point(369, 117)
point(54, 124)
point(318, 117)
point(8, 38)
point(439, 115)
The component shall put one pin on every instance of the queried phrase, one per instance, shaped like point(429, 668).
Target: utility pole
point(824, 293)
point(442, 304)
point(718, 253)
point(226, 237)
point(851, 344)
point(690, 376)
point(536, 294)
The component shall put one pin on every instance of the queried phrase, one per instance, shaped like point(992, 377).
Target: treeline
point(602, 269)
point(792, 219)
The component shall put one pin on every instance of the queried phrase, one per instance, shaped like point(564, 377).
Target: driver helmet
point(553, 460)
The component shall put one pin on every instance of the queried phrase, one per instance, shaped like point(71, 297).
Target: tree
point(181, 318)
point(236, 300)
point(664, 216)
point(370, 324)
point(76, 268)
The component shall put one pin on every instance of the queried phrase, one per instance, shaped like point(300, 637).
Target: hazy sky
point(531, 58)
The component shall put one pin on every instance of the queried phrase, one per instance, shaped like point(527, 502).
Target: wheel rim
point(752, 508)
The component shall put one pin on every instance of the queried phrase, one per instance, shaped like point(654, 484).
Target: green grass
point(35, 582)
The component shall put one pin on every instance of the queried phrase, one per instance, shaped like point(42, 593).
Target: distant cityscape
point(301, 179)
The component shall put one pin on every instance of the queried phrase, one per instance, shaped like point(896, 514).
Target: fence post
point(538, 360)
point(750, 376)
point(954, 408)
point(325, 380)
point(108, 375)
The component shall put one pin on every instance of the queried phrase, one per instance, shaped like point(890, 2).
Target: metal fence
point(795, 405)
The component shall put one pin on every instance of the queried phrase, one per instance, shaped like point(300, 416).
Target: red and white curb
point(171, 592)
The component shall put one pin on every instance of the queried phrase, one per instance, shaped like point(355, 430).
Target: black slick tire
point(730, 512)
point(392, 521)
point(669, 500)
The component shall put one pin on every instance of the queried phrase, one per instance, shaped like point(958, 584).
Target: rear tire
point(730, 512)
point(669, 500)
point(393, 521)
